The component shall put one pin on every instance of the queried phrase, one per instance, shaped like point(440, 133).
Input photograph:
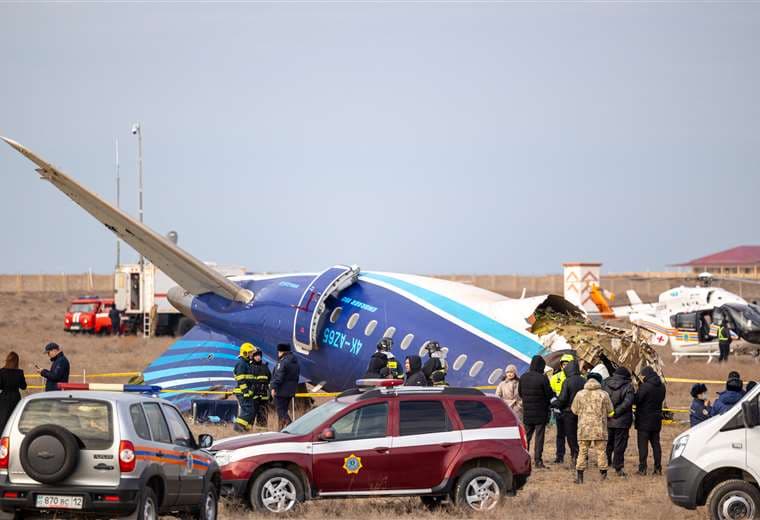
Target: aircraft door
point(134, 291)
point(312, 303)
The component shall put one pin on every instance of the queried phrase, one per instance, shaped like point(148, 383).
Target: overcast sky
point(432, 138)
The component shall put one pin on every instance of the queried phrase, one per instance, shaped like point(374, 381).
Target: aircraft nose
point(182, 300)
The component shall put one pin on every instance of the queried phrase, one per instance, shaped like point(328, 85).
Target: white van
point(717, 463)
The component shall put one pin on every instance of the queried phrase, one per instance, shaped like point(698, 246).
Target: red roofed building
point(741, 261)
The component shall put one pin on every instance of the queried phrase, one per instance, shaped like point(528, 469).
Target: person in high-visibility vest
point(243, 391)
point(724, 340)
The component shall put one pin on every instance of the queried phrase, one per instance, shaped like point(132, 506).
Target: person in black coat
point(700, 409)
point(12, 381)
point(115, 316)
point(649, 400)
point(378, 365)
point(621, 392)
point(59, 369)
point(536, 394)
point(414, 375)
point(573, 384)
point(284, 382)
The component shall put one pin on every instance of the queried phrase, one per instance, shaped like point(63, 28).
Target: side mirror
point(751, 412)
point(205, 441)
point(328, 434)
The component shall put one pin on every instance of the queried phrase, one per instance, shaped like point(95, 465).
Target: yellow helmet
point(246, 348)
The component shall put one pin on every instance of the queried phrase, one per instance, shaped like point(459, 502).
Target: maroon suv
point(439, 443)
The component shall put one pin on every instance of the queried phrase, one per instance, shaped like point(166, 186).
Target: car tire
point(479, 490)
point(733, 499)
point(147, 508)
point(209, 506)
point(276, 491)
point(49, 438)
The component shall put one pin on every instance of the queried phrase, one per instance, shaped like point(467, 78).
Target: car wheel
point(479, 489)
point(276, 490)
point(734, 500)
point(49, 453)
point(209, 507)
point(147, 508)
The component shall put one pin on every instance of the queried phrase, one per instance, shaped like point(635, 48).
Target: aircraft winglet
point(189, 272)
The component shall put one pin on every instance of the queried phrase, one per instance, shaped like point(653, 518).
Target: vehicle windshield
point(82, 307)
point(306, 423)
point(89, 420)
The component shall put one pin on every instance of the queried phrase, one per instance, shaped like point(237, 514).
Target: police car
point(104, 453)
point(439, 443)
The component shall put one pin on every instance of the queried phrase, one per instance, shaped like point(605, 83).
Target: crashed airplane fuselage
point(333, 319)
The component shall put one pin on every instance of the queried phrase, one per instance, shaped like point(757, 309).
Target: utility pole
point(118, 202)
point(137, 130)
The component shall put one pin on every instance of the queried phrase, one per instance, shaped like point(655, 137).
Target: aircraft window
point(389, 332)
point(495, 375)
point(352, 321)
point(475, 369)
point(335, 314)
point(422, 348)
point(406, 341)
point(370, 328)
point(460, 361)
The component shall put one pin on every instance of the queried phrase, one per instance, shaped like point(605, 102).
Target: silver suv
point(104, 454)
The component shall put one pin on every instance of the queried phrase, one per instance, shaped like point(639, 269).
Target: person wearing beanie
point(507, 391)
point(700, 408)
point(284, 383)
point(733, 394)
point(620, 390)
point(536, 395)
point(597, 376)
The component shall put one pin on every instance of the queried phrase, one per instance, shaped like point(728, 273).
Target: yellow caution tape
point(679, 380)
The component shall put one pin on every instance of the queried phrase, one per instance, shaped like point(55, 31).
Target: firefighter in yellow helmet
point(244, 389)
point(556, 382)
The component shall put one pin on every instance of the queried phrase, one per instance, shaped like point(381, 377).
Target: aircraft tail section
point(633, 297)
point(202, 360)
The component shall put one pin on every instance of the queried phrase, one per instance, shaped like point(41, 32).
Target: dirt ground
point(32, 320)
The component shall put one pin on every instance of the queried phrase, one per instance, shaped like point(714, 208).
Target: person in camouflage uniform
point(592, 405)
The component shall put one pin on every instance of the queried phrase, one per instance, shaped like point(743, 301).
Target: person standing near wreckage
point(592, 406)
point(284, 383)
point(536, 394)
point(620, 390)
point(243, 391)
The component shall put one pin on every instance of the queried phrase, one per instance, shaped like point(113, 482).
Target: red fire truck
point(88, 314)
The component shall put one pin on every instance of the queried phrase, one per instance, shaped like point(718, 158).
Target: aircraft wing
point(192, 274)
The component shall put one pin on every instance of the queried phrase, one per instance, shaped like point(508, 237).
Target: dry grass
point(32, 320)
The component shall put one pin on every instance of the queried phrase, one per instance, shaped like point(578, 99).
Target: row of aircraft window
point(407, 341)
